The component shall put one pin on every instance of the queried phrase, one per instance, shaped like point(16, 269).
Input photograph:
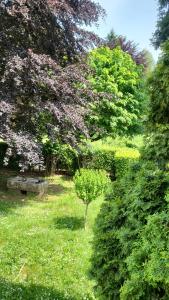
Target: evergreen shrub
point(138, 195)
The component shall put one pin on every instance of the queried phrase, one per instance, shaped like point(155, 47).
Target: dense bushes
point(115, 160)
point(131, 245)
point(60, 157)
point(119, 229)
point(101, 159)
point(148, 268)
point(63, 158)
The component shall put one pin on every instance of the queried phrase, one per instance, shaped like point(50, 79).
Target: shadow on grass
point(12, 291)
point(71, 223)
point(67, 177)
point(9, 201)
point(57, 189)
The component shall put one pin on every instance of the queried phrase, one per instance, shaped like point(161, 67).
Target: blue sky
point(134, 18)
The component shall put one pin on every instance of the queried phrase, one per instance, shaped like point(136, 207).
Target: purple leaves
point(43, 90)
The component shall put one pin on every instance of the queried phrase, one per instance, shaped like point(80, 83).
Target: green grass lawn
point(44, 249)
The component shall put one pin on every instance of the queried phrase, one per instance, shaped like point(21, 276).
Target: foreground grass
point(44, 249)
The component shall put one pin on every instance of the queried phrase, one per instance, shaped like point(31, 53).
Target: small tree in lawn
point(89, 185)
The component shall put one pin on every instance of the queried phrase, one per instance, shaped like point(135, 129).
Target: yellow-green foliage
point(113, 157)
point(118, 77)
point(90, 184)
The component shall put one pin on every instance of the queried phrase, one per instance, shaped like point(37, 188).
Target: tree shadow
point(13, 291)
point(66, 177)
point(57, 189)
point(71, 223)
point(10, 201)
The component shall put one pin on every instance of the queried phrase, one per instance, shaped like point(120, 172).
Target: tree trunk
point(51, 161)
point(85, 217)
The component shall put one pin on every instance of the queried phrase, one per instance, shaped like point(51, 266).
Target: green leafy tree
point(161, 34)
point(157, 145)
point(150, 62)
point(120, 80)
point(89, 185)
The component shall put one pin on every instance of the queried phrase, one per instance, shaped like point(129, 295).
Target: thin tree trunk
point(85, 217)
point(51, 165)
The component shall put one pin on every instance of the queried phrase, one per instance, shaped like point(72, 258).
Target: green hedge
point(101, 159)
point(123, 159)
point(115, 161)
point(130, 248)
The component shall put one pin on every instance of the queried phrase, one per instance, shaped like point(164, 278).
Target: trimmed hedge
point(123, 159)
point(101, 159)
point(115, 161)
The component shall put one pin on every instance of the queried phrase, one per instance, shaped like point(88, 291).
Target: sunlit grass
point(44, 249)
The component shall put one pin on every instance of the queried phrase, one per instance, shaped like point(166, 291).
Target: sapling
point(89, 185)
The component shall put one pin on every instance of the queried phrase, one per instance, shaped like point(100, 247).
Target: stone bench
point(25, 185)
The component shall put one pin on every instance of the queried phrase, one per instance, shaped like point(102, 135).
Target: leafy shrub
point(63, 156)
point(135, 197)
point(115, 160)
point(90, 184)
point(101, 159)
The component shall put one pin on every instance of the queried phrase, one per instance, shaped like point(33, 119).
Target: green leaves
point(90, 184)
point(129, 234)
point(119, 82)
point(161, 34)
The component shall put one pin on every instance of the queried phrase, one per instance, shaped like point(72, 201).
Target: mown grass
point(44, 249)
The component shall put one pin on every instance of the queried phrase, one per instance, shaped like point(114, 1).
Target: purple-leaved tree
point(139, 56)
point(43, 90)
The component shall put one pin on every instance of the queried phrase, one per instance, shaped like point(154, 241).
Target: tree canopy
point(162, 32)
point(117, 76)
point(40, 42)
point(114, 40)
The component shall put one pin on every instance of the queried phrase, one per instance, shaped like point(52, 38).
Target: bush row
point(113, 160)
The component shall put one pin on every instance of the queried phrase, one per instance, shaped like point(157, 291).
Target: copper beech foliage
point(43, 91)
point(127, 46)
